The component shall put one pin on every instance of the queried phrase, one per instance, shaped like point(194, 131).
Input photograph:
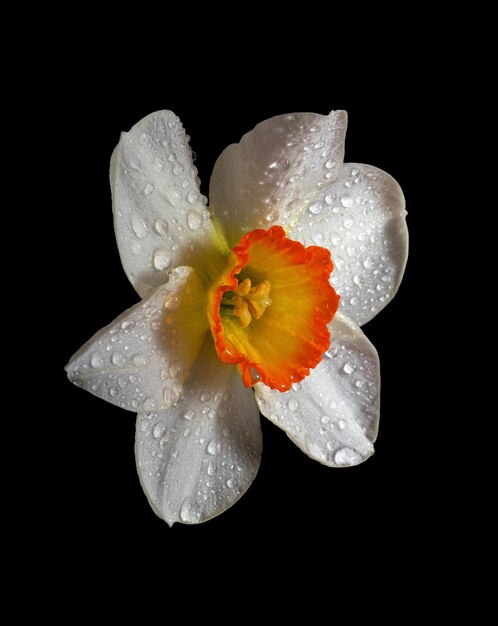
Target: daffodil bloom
point(254, 304)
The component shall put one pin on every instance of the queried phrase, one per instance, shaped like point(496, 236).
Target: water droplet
point(188, 513)
point(226, 432)
point(348, 368)
point(205, 396)
point(161, 259)
point(329, 198)
point(158, 164)
point(355, 172)
point(315, 208)
point(347, 202)
point(134, 403)
point(189, 415)
point(118, 359)
point(231, 483)
point(293, 404)
point(192, 197)
point(175, 370)
point(149, 404)
point(272, 215)
point(325, 419)
point(212, 447)
point(357, 280)
point(194, 220)
point(177, 169)
point(210, 468)
point(354, 301)
point(368, 263)
point(342, 424)
point(331, 445)
point(161, 227)
point(170, 396)
point(172, 302)
point(329, 164)
point(139, 226)
point(148, 189)
point(159, 429)
point(96, 360)
point(113, 391)
point(348, 222)
point(140, 360)
point(347, 456)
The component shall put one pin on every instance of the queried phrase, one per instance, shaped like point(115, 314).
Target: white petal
point(198, 458)
point(270, 175)
point(158, 209)
point(138, 362)
point(361, 219)
point(333, 414)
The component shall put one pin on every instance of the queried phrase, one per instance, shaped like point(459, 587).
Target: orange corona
point(270, 308)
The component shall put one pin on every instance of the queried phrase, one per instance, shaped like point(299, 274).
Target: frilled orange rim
point(289, 338)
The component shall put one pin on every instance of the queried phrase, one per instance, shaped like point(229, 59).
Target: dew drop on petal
point(347, 202)
point(194, 220)
point(348, 368)
point(159, 429)
point(161, 260)
point(315, 208)
point(172, 302)
point(357, 280)
point(161, 227)
point(118, 359)
point(148, 189)
point(347, 456)
point(149, 404)
point(96, 360)
point(293, 404)
point(140, 360)
point(192, 197)
point(212, 447)
point(139, 226)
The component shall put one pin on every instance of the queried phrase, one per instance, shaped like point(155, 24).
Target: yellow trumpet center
point(246, 301)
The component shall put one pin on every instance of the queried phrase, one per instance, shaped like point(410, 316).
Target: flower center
point(246, 301)
point(269, 308)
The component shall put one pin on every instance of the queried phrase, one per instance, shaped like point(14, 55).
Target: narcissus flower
point(254, 303)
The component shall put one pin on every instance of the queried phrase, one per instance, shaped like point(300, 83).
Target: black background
point(296, 508)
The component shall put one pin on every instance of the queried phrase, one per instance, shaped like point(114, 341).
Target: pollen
point(246, 301)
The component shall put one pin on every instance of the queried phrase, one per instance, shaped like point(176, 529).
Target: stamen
point(246, 302)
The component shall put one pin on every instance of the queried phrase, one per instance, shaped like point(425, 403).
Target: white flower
point(266, 306)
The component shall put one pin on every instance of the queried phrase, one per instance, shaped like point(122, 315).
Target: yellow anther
point(248, 301)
